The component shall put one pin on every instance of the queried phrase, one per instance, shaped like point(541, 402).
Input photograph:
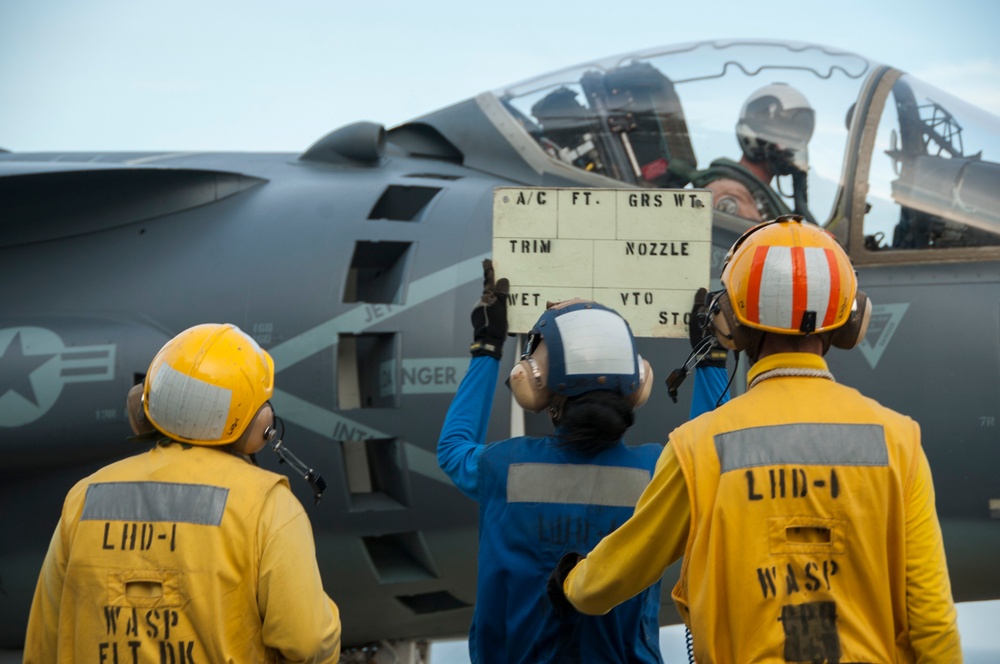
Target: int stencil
point(643, 253)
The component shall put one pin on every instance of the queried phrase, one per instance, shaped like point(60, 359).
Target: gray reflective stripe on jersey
point(806, 444)
point(611, 486)
point(155, 501)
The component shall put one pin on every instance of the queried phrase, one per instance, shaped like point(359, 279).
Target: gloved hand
point(489, 318)
point(554, 587)
point(700, 327)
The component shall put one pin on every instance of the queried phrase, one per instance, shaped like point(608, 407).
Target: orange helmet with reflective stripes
point(789, 277)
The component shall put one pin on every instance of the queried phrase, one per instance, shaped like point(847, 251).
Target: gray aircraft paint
point(117, 257)
point(324, 336)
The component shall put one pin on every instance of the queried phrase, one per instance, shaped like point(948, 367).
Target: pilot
point(774, 128)
point(542, 497)
point(804, 511)
point(188, 552)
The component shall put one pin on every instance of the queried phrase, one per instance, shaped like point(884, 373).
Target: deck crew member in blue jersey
point(804, 510)
point(542, 497)
point(188, 552)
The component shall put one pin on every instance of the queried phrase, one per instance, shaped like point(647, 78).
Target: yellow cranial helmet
point(206, 385)
point(789, 277)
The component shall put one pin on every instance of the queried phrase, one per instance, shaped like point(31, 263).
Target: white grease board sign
point(643, 253)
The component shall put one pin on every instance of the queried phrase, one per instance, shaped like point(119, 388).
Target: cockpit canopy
point(666, 117)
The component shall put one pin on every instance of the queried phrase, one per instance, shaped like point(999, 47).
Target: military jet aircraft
point(356, 262)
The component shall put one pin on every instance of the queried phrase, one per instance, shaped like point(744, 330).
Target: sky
point(260, 75)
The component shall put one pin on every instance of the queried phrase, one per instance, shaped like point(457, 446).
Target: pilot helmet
point(775, 125)
point(210, 385)
point(789, 277)
point(579, 346)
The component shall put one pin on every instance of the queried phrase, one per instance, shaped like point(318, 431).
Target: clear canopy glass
point(669, 117)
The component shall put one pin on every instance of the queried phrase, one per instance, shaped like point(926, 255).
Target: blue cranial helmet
point(577, 347)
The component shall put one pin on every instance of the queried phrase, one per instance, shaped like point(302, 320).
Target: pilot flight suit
point(805, 515)
point(182, 554)
point(537, 502)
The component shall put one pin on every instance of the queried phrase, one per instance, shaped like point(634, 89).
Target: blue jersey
point(538, 501)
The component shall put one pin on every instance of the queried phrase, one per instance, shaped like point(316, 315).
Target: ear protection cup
point(253, 438)
point(136, 414)
point(527, 381)
point(641, 394)
point(850, 334)
point(729, 332)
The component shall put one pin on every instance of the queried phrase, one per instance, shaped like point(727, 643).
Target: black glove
point(489, 318)
point(554, 587)
point(701, 327)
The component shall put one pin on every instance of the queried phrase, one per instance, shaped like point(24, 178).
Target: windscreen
point(935, 173)
point(701, 113)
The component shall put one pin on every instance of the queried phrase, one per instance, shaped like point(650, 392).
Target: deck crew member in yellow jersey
point(187, 553)
point(804, 510)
